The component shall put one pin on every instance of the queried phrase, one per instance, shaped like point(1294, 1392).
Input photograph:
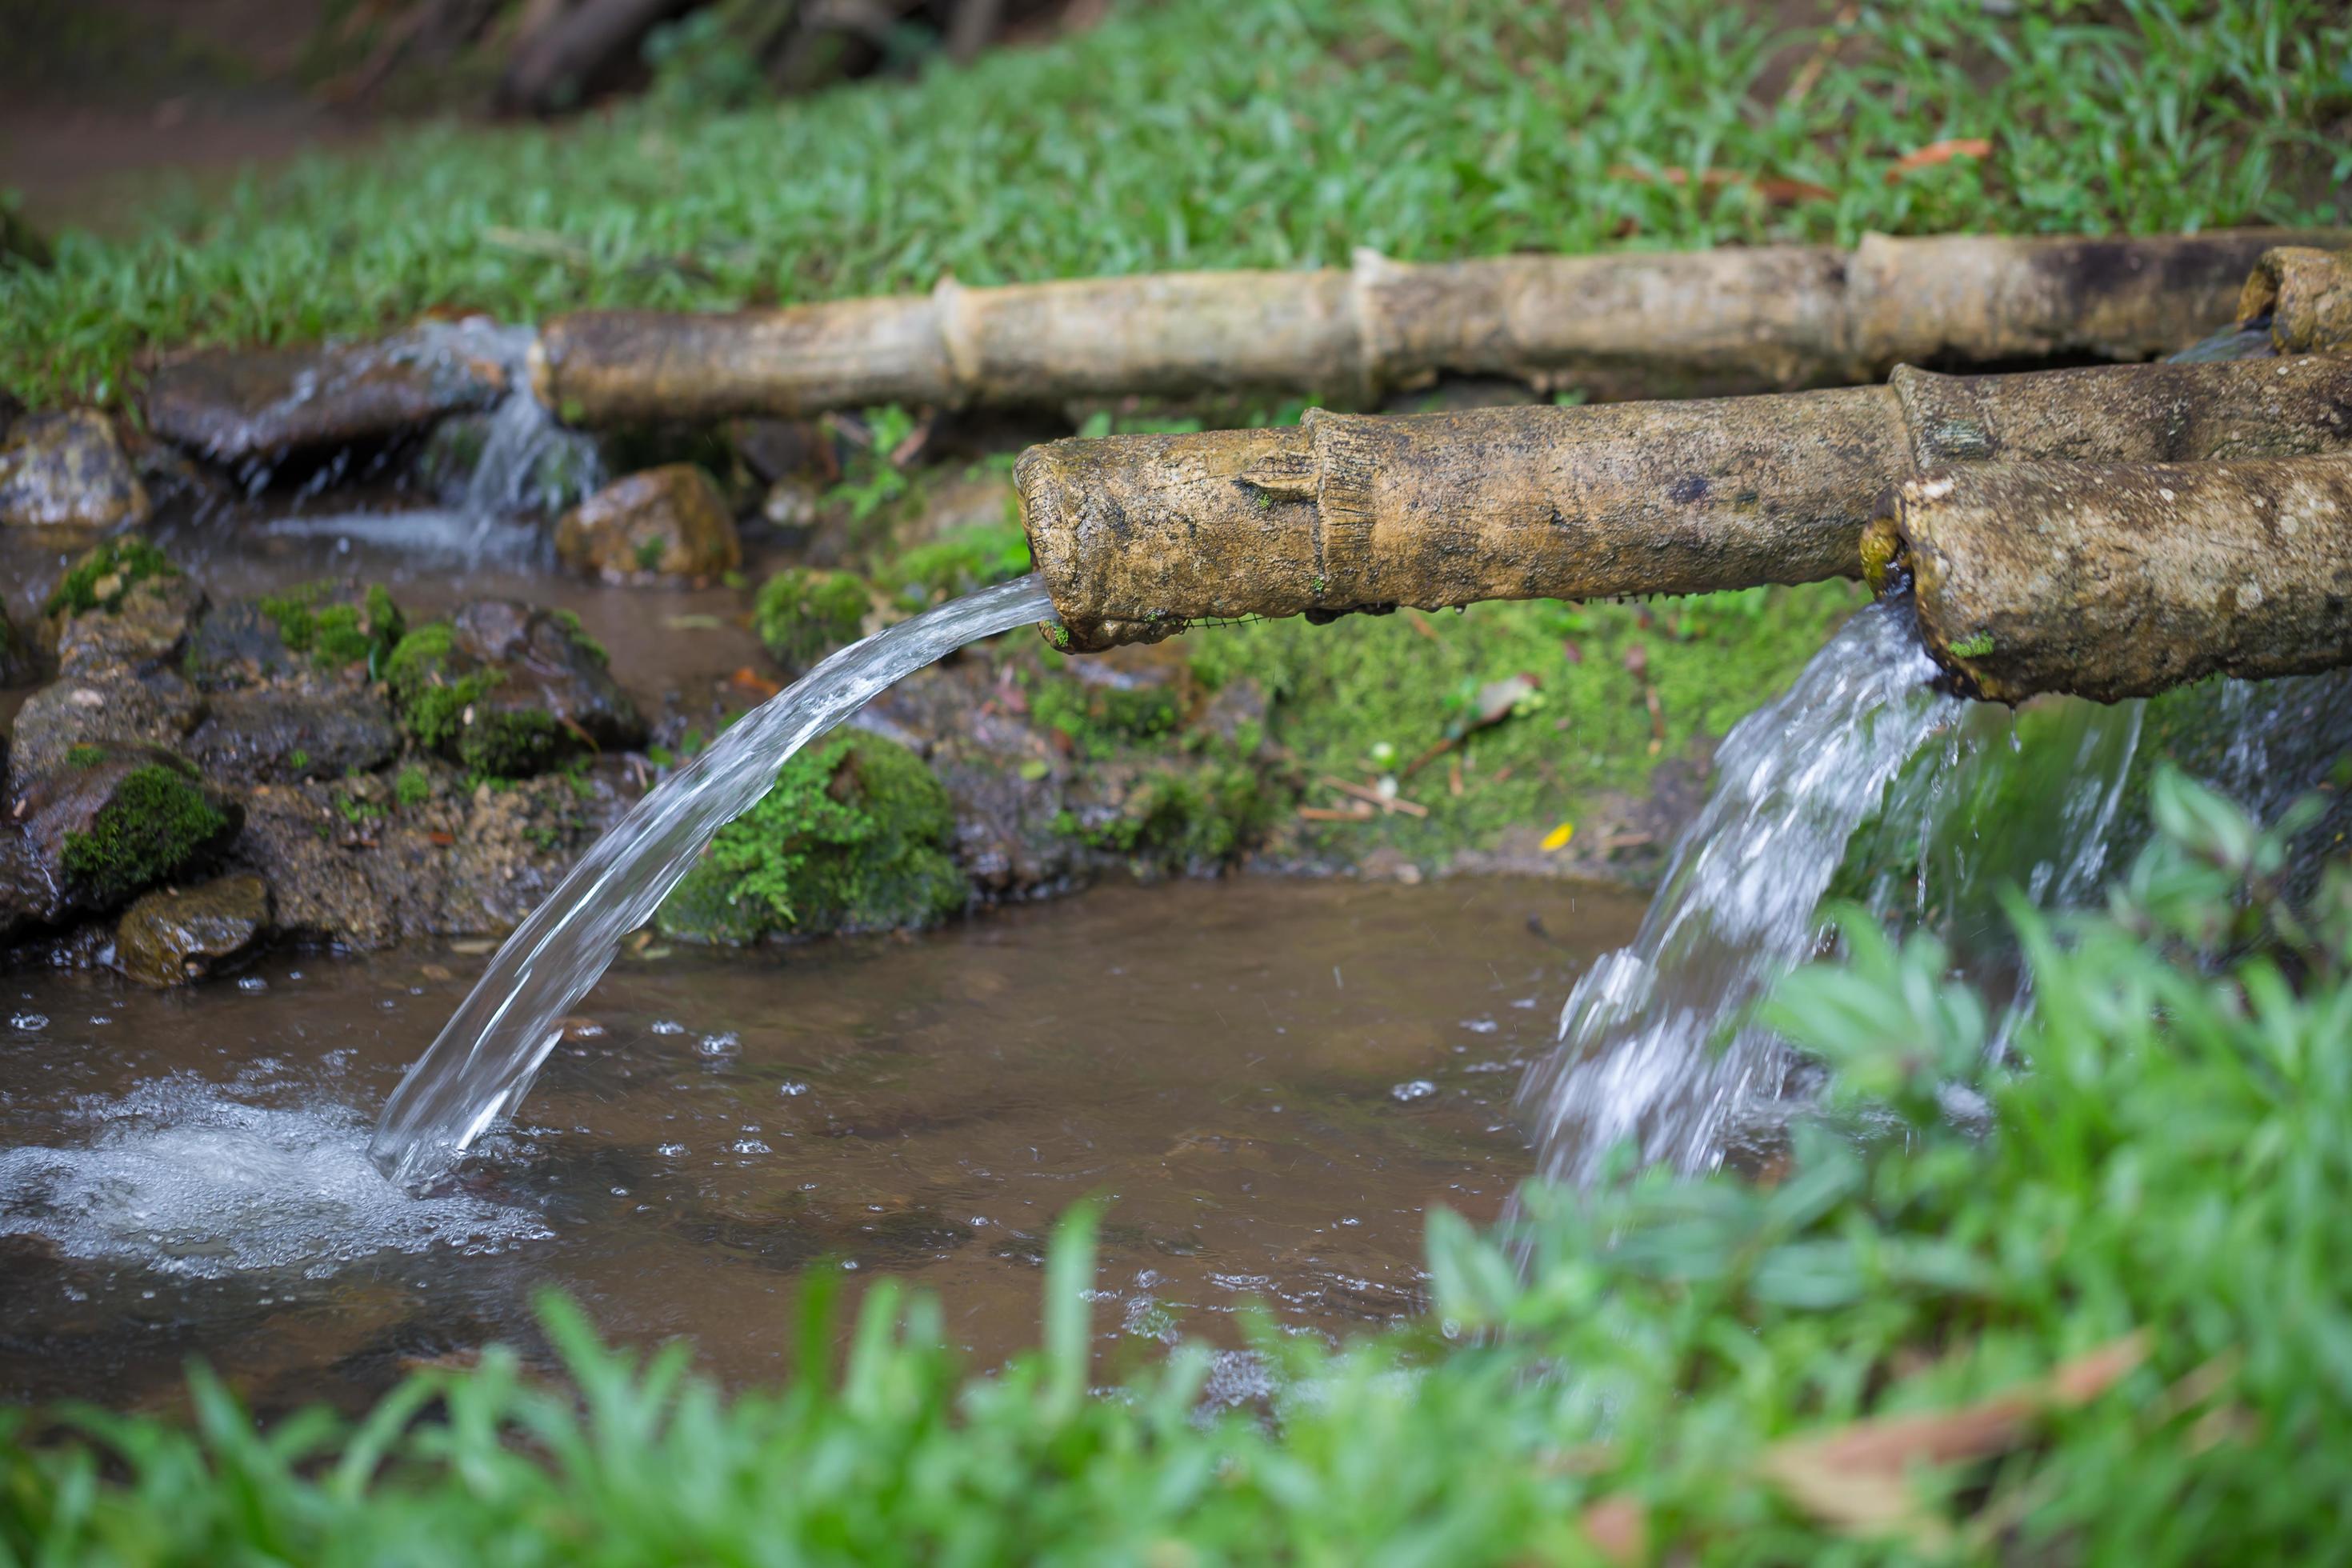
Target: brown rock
point(663, 522)
point(69, 470)
point(232, 404)
point(174, 935)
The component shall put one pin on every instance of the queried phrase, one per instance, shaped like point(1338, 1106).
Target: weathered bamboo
point(1139, 536)
point(1706, 323)
point(2111, 582)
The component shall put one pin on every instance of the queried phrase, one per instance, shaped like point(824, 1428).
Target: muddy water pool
point(1269, 1081)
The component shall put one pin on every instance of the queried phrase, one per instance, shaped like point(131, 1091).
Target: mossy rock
point(804, 615)
point(102, 579)
point(326, 628)
point(108, 821)
point(508, 691)
point(853, 836)
point(336, 626)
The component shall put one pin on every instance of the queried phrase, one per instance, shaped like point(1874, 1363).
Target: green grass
point(2157, 1165)
point(1249, 132)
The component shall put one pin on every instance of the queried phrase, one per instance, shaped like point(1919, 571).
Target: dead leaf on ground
point(1939, 152)
point(1774, 189)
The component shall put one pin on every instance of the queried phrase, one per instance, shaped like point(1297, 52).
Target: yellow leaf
point(1559, 836)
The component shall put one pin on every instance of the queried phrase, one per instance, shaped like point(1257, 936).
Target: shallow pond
point(1270, 1082)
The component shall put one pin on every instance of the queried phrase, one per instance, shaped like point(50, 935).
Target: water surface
point(1271, 1081)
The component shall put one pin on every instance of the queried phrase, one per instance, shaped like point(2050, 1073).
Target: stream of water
point(1654, 1047)
point(482, 1063)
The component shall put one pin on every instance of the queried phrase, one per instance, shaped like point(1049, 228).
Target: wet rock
point(804, 613)
point(117, 619)
point(176, 936)
point(235, 405)
point(69, 470)
point(110, 820)
point(154, 707)
point(315, 633)
point(268, 733)
point(509, 690)
point(663, 522)
point(853, 836)
point(363, 864)
point(123, 604)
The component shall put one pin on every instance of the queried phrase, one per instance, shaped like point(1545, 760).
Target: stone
point(69, 470)
point(260, 404)
point(507, 690)
point(155, 708)
point(175, 935)
point(450, 858)
point(109, 821)
point(270, 734)
point(321, 634)
point(663, 522)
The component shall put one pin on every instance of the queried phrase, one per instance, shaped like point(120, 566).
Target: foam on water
point(183, 1176)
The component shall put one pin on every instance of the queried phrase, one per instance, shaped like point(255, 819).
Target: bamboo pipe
point(2123, 581)
point(1709, 322)
point(1139, 536)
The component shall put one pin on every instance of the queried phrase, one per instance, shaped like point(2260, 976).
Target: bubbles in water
point(29, 1021)
point(1414, 1092)
point(720, 1045)
point(791, 1088)
point(182, 1178)
point(667, 1026)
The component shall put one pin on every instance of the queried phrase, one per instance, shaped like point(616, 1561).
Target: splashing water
point(483, 1061)
point(1638, 1058)
point(187, 1178)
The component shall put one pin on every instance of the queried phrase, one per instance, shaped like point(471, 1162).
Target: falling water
point(480, 1066)
point(1639, 1059)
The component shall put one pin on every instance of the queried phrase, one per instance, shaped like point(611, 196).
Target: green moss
point(1366, 696)
point(570, 621)
point(335, 635)
point(297, 759)
point(853, 836)
point(513, 744)
point(99, 580)
point(157, 819)
point(1102, 719)
point(802, 614)
point(356, 809)
point(85, 756)
point(412, 787)
point(1191, 819)
point(960, 561)
point(432, 702)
